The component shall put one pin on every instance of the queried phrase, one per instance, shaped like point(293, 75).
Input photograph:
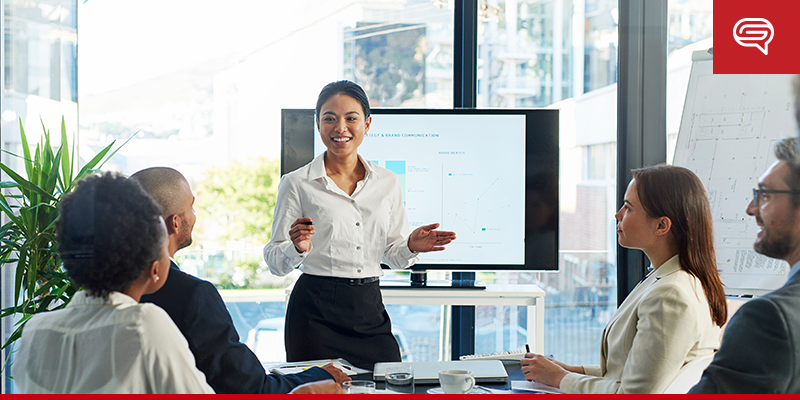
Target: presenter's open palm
point(425, 239)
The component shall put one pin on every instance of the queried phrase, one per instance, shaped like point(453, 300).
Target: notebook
point(485, 371)
point(286, 368)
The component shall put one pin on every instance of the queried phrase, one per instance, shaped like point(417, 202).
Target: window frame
point(641, 140)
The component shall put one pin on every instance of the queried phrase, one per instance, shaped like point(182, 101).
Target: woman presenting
point(337, 219)
point(675, 314)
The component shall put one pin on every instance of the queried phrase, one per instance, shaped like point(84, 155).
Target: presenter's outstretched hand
point(338, 374)
point(300, 233)
point(425, 239)
point(539, 368)
point(319, 387)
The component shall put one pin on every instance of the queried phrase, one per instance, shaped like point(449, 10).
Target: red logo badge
point(754, 32)
point(756, 37)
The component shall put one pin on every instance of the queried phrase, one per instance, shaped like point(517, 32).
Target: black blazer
point(760, 350)
point(230, 367)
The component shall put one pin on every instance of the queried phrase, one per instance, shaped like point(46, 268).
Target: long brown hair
point(677, 193)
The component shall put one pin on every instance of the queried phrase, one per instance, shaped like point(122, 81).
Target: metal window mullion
point(641, 90)
point(465, 94)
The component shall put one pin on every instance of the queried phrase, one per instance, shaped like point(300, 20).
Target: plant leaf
point(17, 332)
point(120, 146)
point(96, 159)
point(26, 150)
point(20, 273)
point(66, 165)
point(47, 156)
point(9, 212)
point(53, 175)
point(24, 183)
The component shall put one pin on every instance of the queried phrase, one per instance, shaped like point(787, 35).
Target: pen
point(527, 348)
point(304, 367)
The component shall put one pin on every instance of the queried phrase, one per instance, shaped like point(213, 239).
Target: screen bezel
point(542, 162)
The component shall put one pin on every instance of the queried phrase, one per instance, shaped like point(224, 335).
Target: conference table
point(512, 368)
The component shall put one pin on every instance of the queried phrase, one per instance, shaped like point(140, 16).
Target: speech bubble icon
point(754, 32)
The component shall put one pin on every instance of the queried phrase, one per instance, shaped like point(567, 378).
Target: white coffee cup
point(456, 381)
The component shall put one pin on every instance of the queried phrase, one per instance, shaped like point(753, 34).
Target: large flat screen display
point(491, 176)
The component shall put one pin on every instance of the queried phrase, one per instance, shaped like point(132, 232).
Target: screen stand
point(419, 280)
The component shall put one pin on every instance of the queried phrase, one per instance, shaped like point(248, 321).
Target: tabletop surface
point(511, 366)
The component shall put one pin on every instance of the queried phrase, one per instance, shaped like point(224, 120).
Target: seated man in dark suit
point(760, 350)
point(198, 310)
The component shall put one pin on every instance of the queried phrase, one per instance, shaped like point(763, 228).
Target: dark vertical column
point(465, 49)
point(641, 115)
point(465, 83)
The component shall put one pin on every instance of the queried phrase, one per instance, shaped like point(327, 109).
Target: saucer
point(474, 390)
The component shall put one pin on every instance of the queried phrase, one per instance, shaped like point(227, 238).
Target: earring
point(157, 278)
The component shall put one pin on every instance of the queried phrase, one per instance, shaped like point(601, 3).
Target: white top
point(105, 346)
point(353, 233)
point(662, 325)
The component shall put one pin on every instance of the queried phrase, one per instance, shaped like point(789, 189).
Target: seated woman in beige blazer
point(675, 314)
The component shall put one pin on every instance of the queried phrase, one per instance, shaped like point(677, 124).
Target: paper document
point(525, 386)
point(300, 366)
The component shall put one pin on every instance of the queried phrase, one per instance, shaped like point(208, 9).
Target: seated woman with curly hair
point(113, 242)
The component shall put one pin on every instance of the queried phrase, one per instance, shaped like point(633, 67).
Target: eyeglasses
point(759, 193)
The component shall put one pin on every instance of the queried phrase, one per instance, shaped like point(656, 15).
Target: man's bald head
point(171, 190)
point(165, 185)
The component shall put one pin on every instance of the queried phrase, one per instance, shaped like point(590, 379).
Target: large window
point(563, 54)
point(39, 87)
point(210, 107)
point(691, 26)
point(201, 84)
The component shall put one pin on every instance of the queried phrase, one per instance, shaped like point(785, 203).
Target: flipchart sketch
point(729, 126)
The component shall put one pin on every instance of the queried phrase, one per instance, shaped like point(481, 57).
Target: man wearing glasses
point(760, 351)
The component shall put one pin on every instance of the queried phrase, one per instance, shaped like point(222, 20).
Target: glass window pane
point(418, 330)
point(210, 107)
point(40, 86)
point(691, 26)
point(561, 54)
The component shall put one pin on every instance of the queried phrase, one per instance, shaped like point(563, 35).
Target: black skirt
point(332, 318)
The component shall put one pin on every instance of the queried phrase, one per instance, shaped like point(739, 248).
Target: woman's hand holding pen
point(300, 233)
point(539, 368)
point(425, 239)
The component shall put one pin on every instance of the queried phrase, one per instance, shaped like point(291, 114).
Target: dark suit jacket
point(760, 350)
point(230, 367)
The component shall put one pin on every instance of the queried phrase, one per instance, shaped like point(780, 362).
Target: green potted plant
point(27, 240)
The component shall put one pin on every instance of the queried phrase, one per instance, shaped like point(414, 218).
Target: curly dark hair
point(108, 232)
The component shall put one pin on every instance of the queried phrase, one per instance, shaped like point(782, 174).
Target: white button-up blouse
point(353, 233)
point(112, 345)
